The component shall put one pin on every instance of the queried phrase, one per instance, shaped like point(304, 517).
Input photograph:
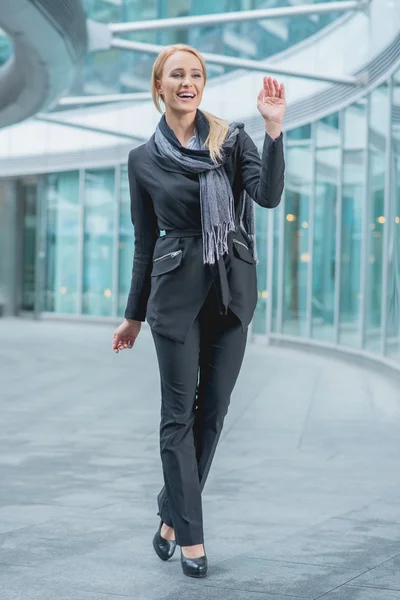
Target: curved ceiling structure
point(50, 42)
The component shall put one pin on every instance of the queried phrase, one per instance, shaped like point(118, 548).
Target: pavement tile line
point(243, 589)
point(374, 587)
point(292, 562)
point(360, 575)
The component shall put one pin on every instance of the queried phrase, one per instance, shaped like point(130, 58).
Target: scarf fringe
point(215, 242)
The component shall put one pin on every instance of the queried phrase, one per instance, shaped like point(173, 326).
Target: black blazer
point(170, 292)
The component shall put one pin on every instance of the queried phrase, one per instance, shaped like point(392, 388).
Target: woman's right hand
point(125, 335)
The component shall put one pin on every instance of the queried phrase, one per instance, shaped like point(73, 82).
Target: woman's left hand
point(271, 102)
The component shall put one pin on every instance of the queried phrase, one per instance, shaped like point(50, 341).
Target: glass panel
point(28, 246)
point(101, 73)
point(393, 297)
point(274, 324)
point(10, 236)
point(105, 11)
point(352, 203)
point(297, 252)
point(136, 67)
point(355, 132)
point(376, 219)
point(98, 242)
point(168, 10)
point(126, 243)
point(259, 321)
point(62, 243)
point(112, 70)
point(327, 167)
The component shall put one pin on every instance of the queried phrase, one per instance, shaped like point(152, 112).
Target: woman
point(192, 188)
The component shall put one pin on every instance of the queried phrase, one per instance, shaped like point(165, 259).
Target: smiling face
point(182, 82)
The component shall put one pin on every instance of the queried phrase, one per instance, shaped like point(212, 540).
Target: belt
point(180, 233)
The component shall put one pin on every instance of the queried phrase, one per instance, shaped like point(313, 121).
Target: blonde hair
point(218, 127)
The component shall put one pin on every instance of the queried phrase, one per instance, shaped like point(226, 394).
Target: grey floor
point(303, 498)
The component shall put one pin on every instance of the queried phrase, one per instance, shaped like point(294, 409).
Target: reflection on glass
point(355, 132)
point(136, 67)
point(327, 167)
point(259, 321)
point(111, 71)
point(393, 295)
point(352, 202)
point(376, 217)
point(126, 243)
point(376, 231)
point(351, 227)
point(103, 10)
point(62, 252)
point(297, 250)
point(29, 195)
point(101, 73)
point(274, 324)
point(98, 242)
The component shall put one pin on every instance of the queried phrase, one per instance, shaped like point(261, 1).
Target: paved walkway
point(302, 501)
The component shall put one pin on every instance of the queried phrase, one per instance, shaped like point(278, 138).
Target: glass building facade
point(118, 71)
point(329, 270)
point(329, 266)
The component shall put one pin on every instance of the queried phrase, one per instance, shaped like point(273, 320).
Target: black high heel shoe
point(194, 567)
point(164, 548)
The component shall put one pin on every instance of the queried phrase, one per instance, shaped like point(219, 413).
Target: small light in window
point(381, 219)
point(290, 218)
point(107, 293)
point(305, 257)
point(264, 294)
point(397, 220)
point(304, 224)
point(63, 290)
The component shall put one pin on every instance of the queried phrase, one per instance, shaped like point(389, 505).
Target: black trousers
point(197, 379)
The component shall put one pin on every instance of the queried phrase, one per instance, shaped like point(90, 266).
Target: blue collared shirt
point(195, 142)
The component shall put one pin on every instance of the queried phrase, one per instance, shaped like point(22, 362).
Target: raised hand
point(271, 102)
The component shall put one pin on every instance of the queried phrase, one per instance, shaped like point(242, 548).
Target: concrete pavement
point(302, 501)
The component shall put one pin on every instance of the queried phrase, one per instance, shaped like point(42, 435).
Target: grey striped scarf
point(216, 198)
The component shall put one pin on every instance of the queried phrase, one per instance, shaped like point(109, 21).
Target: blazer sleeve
point(145, 225)
point(263, 179)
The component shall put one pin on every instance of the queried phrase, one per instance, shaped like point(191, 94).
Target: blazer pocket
point(243, 252)
point(166, 263)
